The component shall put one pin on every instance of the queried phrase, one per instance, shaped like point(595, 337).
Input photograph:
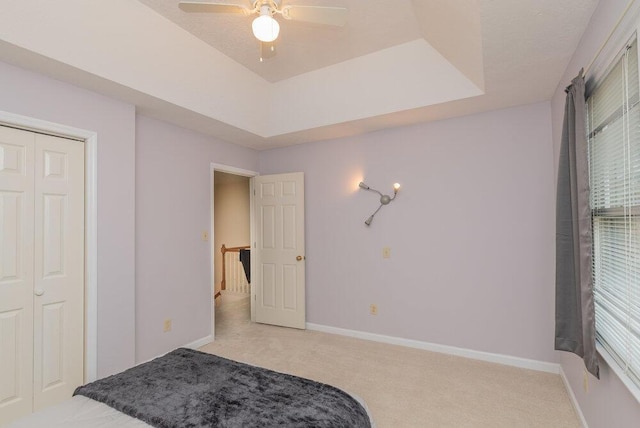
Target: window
point(613, 122)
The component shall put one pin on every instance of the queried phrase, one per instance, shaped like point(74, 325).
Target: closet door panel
point(16, 272)
point(59, 269)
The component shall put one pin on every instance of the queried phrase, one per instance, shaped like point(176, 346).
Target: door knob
point(299, 258)
point(38, 291)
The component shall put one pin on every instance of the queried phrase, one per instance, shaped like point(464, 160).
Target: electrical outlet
point(373, 309)
point(386, 253)
point(205, 235)
point(167, 326)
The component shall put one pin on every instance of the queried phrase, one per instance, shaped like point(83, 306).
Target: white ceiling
point(396, 62)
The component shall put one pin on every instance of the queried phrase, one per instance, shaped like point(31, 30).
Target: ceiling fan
point(265, 27)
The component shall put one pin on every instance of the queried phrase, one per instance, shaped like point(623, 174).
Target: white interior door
point(59, 269)
point(41, 270)
point(16, 273)
point(279, 255)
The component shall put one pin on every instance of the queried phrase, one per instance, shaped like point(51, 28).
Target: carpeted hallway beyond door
point(403, 387)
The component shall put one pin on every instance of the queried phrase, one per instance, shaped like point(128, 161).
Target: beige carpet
point(403, 387)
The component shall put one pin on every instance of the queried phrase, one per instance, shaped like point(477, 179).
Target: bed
point(191, 388)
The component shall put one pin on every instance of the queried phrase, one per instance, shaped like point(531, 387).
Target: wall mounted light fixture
point(384, 199)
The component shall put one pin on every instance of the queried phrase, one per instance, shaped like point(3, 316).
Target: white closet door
point(16, 273)
point(59, 269)
point(41, 270)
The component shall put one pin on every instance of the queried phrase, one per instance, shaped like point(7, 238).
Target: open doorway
point(231, 254)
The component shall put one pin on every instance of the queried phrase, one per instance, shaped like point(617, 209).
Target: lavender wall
point(29, 94)
point(173, 205)
point(471, 231)
point(153, 204)
point(608, 403)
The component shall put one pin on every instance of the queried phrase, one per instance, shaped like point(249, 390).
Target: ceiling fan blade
point(267, 50)
point(207, 7)
point(336, 16)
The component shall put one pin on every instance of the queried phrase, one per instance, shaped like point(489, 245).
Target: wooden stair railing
point(225, 250)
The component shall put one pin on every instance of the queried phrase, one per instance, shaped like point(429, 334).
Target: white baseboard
point(443, 349)
point(199, 343)
point(573, 399)
point(193, 345)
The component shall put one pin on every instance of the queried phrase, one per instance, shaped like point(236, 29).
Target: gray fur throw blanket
point(187, 388)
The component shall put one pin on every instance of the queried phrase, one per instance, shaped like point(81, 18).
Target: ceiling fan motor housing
point(273, 5)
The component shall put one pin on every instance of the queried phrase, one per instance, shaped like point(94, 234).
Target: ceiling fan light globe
point(265, 28)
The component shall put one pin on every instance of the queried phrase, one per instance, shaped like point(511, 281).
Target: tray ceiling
point(395, 62)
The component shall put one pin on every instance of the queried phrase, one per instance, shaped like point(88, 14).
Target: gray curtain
point(575, 315)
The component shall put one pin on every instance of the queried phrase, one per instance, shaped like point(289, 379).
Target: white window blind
point(613, 121)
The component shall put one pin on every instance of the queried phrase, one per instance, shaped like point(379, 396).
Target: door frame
point(213, 167)
point(90, 139)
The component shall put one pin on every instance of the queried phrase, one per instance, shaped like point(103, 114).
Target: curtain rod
point(613, 30)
